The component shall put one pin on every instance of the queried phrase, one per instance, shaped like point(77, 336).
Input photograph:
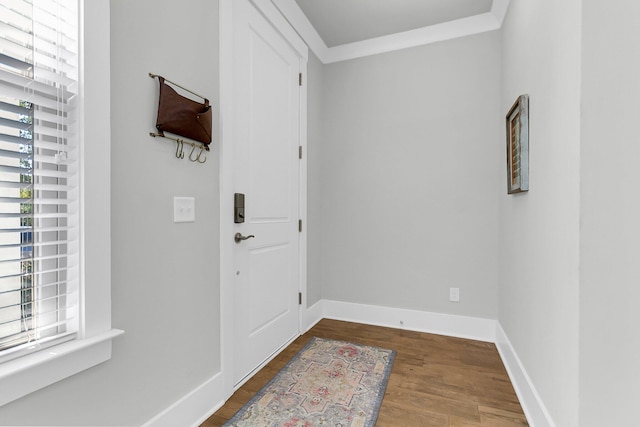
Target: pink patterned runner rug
point(328, 383)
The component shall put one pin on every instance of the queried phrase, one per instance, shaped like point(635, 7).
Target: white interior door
point(266, 96)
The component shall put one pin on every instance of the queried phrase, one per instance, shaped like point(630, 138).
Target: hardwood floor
point(435, 381)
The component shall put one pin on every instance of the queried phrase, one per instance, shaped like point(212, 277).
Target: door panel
point(270, 115)
point(269, 291)
point(266, 138)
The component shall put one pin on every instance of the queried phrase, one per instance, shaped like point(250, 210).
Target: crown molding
point(499, 9)
point(477, 24)
point(421, 36)
point(299, 21)
point(279, 21)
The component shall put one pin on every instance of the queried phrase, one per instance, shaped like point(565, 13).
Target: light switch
point(184, 209)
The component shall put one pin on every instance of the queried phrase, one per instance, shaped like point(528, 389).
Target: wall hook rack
point(185, 117)
point(180, 147)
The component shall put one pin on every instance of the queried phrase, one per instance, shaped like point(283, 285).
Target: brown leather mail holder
point(182, 116)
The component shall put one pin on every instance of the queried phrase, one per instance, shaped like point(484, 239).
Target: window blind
point(39, 235)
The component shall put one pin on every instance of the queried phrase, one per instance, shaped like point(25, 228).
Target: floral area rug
point(328, 383)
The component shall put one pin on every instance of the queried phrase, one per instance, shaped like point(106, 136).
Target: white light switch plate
point(184, 209)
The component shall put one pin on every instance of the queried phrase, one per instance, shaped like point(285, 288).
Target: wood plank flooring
point(435, 381)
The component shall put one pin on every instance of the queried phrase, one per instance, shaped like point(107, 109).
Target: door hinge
point(300, 225)
point(299, 79)
point(300, 151)
point(299, 298)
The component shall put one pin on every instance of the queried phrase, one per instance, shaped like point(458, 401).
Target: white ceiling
point(346, 21)
point(337, 30)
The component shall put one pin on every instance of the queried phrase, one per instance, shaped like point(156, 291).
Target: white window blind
point(38, 174)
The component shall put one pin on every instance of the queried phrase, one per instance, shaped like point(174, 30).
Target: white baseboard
point(198, 405)
point(313, 315)
point(451, 325)
point(474, 328)
point(532, 405)
point(193, 408)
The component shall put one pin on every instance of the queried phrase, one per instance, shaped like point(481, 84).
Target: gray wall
point(539, 230)
point(315, 142)
point(165, 289)
point(411, 166)
point(610, 230)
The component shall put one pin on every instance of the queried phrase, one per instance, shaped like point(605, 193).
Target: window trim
point(93, 345)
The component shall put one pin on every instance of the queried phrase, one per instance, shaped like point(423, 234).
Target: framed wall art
point(518, 146)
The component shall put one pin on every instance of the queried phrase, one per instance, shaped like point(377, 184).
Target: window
point(38, 174)
point(54, 174)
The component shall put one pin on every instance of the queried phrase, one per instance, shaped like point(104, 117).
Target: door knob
point(239, 237)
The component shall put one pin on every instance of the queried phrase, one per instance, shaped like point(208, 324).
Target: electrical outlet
point(454, 294)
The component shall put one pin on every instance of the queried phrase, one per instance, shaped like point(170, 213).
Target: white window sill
point(27, 374)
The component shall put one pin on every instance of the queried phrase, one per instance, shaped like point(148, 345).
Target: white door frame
point(227, 275)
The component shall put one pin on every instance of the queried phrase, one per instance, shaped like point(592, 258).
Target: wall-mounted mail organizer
point(184, 117)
